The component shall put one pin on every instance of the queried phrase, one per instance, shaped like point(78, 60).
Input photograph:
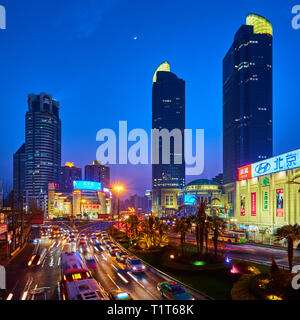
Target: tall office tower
point(19, 176)
point(98, 173)
point(42, 147)
point(247, 97)
point(1, 195)
point(69, 174)
point(168, 112)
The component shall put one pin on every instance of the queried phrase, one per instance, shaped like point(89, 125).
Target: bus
point(73, 269)
point(233, 237)
point(87, 289)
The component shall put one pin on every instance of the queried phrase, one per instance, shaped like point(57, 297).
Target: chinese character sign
point(245, 173)
point(253, 204)
point(279, 203)
point(290, 160)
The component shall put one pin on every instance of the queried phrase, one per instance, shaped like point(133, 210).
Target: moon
point(135, 38)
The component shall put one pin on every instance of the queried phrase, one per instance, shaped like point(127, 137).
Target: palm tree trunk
point(290, 253)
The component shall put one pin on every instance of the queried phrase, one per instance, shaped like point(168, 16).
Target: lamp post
point(118, 189)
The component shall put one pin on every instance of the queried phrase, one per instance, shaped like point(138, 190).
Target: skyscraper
point(168, 112)
point(19, 176)
point(247, 97)
point(42, 147)
point(69, 174)
point(98, 173)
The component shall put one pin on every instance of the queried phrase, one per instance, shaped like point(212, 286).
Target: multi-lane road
point(35, 273)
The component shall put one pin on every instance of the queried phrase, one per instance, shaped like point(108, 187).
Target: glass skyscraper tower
point(42, 147)
point(168, 112)
point(247, 97)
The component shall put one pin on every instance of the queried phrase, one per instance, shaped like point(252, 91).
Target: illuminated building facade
point(203, 190)
point(69, 173)
point(247, 97)
point(168, 112)
point(42, 147)
point(91, 200)
point(59, 204)
point(268, 193)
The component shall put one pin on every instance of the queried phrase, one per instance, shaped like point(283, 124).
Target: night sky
point(85, 54)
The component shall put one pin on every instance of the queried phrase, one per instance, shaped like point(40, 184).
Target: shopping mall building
point(268, 194)
point(88, 200)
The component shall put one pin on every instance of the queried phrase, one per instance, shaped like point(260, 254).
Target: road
point(249, 252)
point(35, 273)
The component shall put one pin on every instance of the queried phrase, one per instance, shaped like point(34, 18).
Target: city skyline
point(202, 92)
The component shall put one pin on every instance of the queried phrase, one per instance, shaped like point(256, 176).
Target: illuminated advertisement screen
point(243, 202)
point(87, 185)
point(279, 202)
point(287, 161)
point(189, 199)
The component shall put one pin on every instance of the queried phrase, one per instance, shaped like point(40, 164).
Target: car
point(82, 241)
point(91, 263)
point(173, 291)
point(119, 295)
point(113, 250)
point(108, 244)
point(121, 256)
point(135, 265)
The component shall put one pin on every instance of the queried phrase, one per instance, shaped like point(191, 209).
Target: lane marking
point(113, 281)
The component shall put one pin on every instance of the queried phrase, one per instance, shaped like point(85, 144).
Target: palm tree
point(183, 225)
point(217, 225)
point(133, 222)
point(291, 233)
point(200, 225)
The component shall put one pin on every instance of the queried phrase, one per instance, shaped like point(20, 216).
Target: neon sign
point(287, 161)
point(87, 185)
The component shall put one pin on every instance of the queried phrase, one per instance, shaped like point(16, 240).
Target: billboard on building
point(279, 203)
point(253, 204)
point(87, 185)
point(287, 161)
point(243, 203)
point(189, 199)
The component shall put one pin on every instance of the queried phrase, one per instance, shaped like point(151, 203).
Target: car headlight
point(143, 267)
point(134, 268)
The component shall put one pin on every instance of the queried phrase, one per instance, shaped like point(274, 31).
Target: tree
point(217, 225)
point(133, 222)
point(291, 233)
point(200, 224)
point(183, 225)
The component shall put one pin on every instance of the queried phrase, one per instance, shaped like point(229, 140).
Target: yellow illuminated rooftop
point(165, 66)
point(70, 164)
point(260, 24)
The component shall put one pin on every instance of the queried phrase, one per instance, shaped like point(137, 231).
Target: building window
point(167, 200)
point(171, 200)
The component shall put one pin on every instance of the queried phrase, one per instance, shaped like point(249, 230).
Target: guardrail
point(164, 275)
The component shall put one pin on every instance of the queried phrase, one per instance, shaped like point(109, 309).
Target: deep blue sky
point(83, 53)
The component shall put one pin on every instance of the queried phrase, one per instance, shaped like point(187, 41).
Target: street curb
point(164, 275)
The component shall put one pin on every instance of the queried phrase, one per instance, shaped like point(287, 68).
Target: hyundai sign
point(287, 161)
point(87, 185)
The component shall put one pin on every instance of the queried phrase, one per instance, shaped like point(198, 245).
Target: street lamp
point(118, 189)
